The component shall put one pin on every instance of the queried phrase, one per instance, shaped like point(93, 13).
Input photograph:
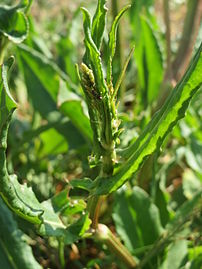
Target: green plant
point(64, 217)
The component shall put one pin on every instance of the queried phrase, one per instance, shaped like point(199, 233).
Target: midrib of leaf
point(162, 123)
point(54, 223)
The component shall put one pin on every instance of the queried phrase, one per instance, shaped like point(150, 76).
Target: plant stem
point(186, 43)
point(61, 253)
point(104, 234)
point(166, 10)
point(95, 201)
point(94, 209)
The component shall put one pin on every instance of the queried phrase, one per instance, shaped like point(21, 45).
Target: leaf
point(101, 119)
point(52, 146)
point(126, 223)
point(73, 107)
point(13, 23)
point(8, 104)
point(112, 42)
point(197, 262)
point(85, 183)
point(73, 110)
point(44, 91)
point(178, 227)
point(66, 205)
point(98, 24)
point(145, 31)
point(191, 184)
point(153, 60)
point(18, 197)
point(137, 219)
point(158, 128)
point(122, 74)
point(67, 55)
point(94, 55)
point(193, 155)
point(15, 253)
point(161, 201)
point(184, 212)
point(53, 226)
point(177, 252)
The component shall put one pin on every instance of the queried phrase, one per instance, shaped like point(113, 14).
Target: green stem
point(61, 253)
point(94, 204)
point(104, 235)
point(95, 201)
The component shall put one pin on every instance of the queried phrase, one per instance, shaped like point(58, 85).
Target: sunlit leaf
point(98, 24)
point(161, 124)
point(13, 22)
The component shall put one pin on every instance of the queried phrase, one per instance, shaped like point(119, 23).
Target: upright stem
point(104, 234)
point(192, 16)
point(166, 10)
point(95, 202)
point(61, 253)
point(184, 52)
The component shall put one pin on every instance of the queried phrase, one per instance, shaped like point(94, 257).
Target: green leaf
point(197, 262)
point(18, 197)
point(50, 146)
point(179, 227)
point(193, 155)
point(161, 201)
point(94, 55)
point(122, 74)
point(65, 205)
point(158, 128)
point(73, 107)
point(126, 223)
point(176, 254)
point(145, 38)
point(13, 23)
point(15, 253)
point(44, 91)
point(112, 42)
point(8, 104)
point(73, 110)
point(53, 226)
point(184, 212)
point(101, 118)
point(137, 219)
point(98, 24)
point(85, 183)
point(191, 183)
point(153, 74)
